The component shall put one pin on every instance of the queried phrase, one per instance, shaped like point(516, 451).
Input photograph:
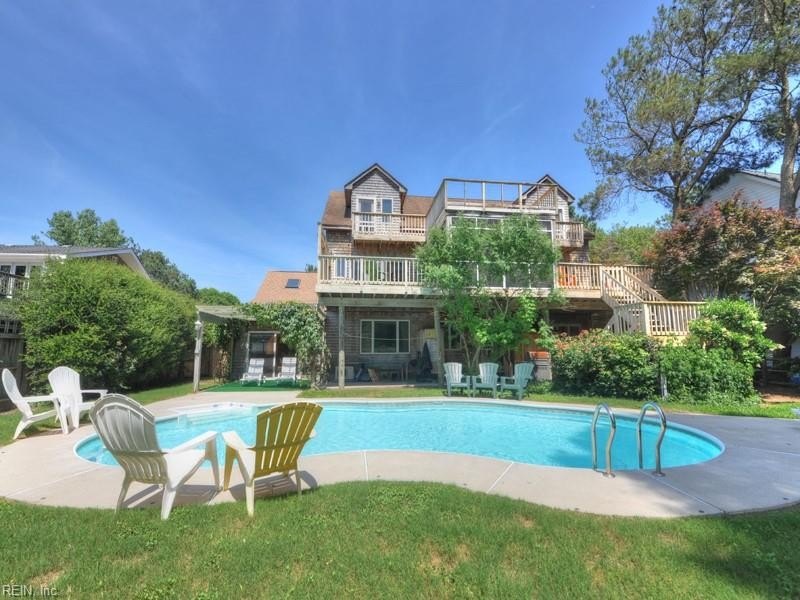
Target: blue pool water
point(541, 436)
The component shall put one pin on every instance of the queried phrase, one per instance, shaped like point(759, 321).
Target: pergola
point(211, 314)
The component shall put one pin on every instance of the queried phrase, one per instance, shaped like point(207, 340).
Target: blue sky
point(213, 130)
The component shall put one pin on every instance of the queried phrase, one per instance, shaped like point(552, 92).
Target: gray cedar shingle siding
point(375, 186)
point(419, 319)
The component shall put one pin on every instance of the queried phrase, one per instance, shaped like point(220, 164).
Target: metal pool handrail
point(663, 419)
point(613, 420)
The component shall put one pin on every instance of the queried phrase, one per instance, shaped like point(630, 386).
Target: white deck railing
point(11, 284)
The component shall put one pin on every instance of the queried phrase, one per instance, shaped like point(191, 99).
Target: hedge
point(116, 328)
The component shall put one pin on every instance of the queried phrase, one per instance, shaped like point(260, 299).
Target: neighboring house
point(278, 286)
point(17, 262)
point(752, 187)
point(379, 317)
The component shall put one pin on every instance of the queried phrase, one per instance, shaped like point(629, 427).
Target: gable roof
point(22, 252)
point(547, 178)
point(337, 213)
point(273, 288)
point(368, 171)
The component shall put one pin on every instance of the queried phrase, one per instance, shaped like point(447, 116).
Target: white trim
point(372, 336)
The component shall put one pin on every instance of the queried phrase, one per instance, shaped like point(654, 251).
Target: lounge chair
point(523, 373)
point(454, 379)
point(487, 380)
point(255, 371)
point(23, 405)
point(281, 433)
point(128, 431)
point(66, 384)
point(288, 368)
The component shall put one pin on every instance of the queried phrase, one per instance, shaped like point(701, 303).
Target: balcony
point(392, 275)
point(485, 196)
point(388, 227)
point(11, 284)
point(564, 233)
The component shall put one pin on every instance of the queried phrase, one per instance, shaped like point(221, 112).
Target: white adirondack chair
point(255, 371)
point(128, 431)
point(523, 373)
point(454, 379)
point(23, 405)
point(66, 384)
point(487, 380)
point(288, 368)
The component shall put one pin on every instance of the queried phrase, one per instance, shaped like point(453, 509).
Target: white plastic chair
point(487, 380)
point(66, 384)
point(523, 373)
point(288, 368)
point(23, 405)
point(454, 379)
point(255, 371)
point(128, 431)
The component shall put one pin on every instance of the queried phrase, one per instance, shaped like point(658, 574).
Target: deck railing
point(382, 226)
point(670, 318)
point(568, 233)
point(361, 270)
point(11, 284)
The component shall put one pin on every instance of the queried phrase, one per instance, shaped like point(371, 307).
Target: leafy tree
point(87, 229)
point(466, 265)
point(302, 328)
point(311, 268)
point(212, 295)
point(116, 328)
point(165, 272)
point(83, 229)
point(671, 116)
point(775, 58)
point(622, 245)
point(731, 250)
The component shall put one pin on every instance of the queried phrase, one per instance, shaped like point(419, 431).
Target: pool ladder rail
point(613, 423)
point(663, 420)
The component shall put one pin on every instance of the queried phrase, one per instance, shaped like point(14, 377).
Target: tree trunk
point(791, 129)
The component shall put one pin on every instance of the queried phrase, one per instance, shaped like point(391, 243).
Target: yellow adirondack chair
point(281, 433)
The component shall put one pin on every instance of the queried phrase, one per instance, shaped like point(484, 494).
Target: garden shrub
point(706, 376)
point(113, 326)
point(734, 327)
point(601, 363)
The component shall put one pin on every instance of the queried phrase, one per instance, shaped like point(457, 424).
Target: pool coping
point(759, 468)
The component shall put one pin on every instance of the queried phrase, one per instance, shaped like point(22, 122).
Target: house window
point(386, 207)
point(384, 337)
point(293, 283)
point(261, 344)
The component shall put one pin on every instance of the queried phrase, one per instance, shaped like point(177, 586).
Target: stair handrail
point(613, 431)
point(630, 292)
point(662, 417)
point(642, 289)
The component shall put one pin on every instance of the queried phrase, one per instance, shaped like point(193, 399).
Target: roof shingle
point(273, 288)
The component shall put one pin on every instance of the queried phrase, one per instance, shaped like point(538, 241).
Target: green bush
point(600, 363)
point(734, 327)
point(696, 375)
point(115, 327)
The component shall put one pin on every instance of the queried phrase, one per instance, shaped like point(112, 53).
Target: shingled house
point(379, 317)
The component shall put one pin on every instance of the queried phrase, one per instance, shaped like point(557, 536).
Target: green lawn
point(758, 410)
point(267, 386)
point(396, 540)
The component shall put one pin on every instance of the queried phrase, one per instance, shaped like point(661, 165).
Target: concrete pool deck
point(759, 470)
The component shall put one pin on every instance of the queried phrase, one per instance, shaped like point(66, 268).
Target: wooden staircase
point(637, 306)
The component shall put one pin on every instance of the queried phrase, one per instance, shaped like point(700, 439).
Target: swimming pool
point(557, 437)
